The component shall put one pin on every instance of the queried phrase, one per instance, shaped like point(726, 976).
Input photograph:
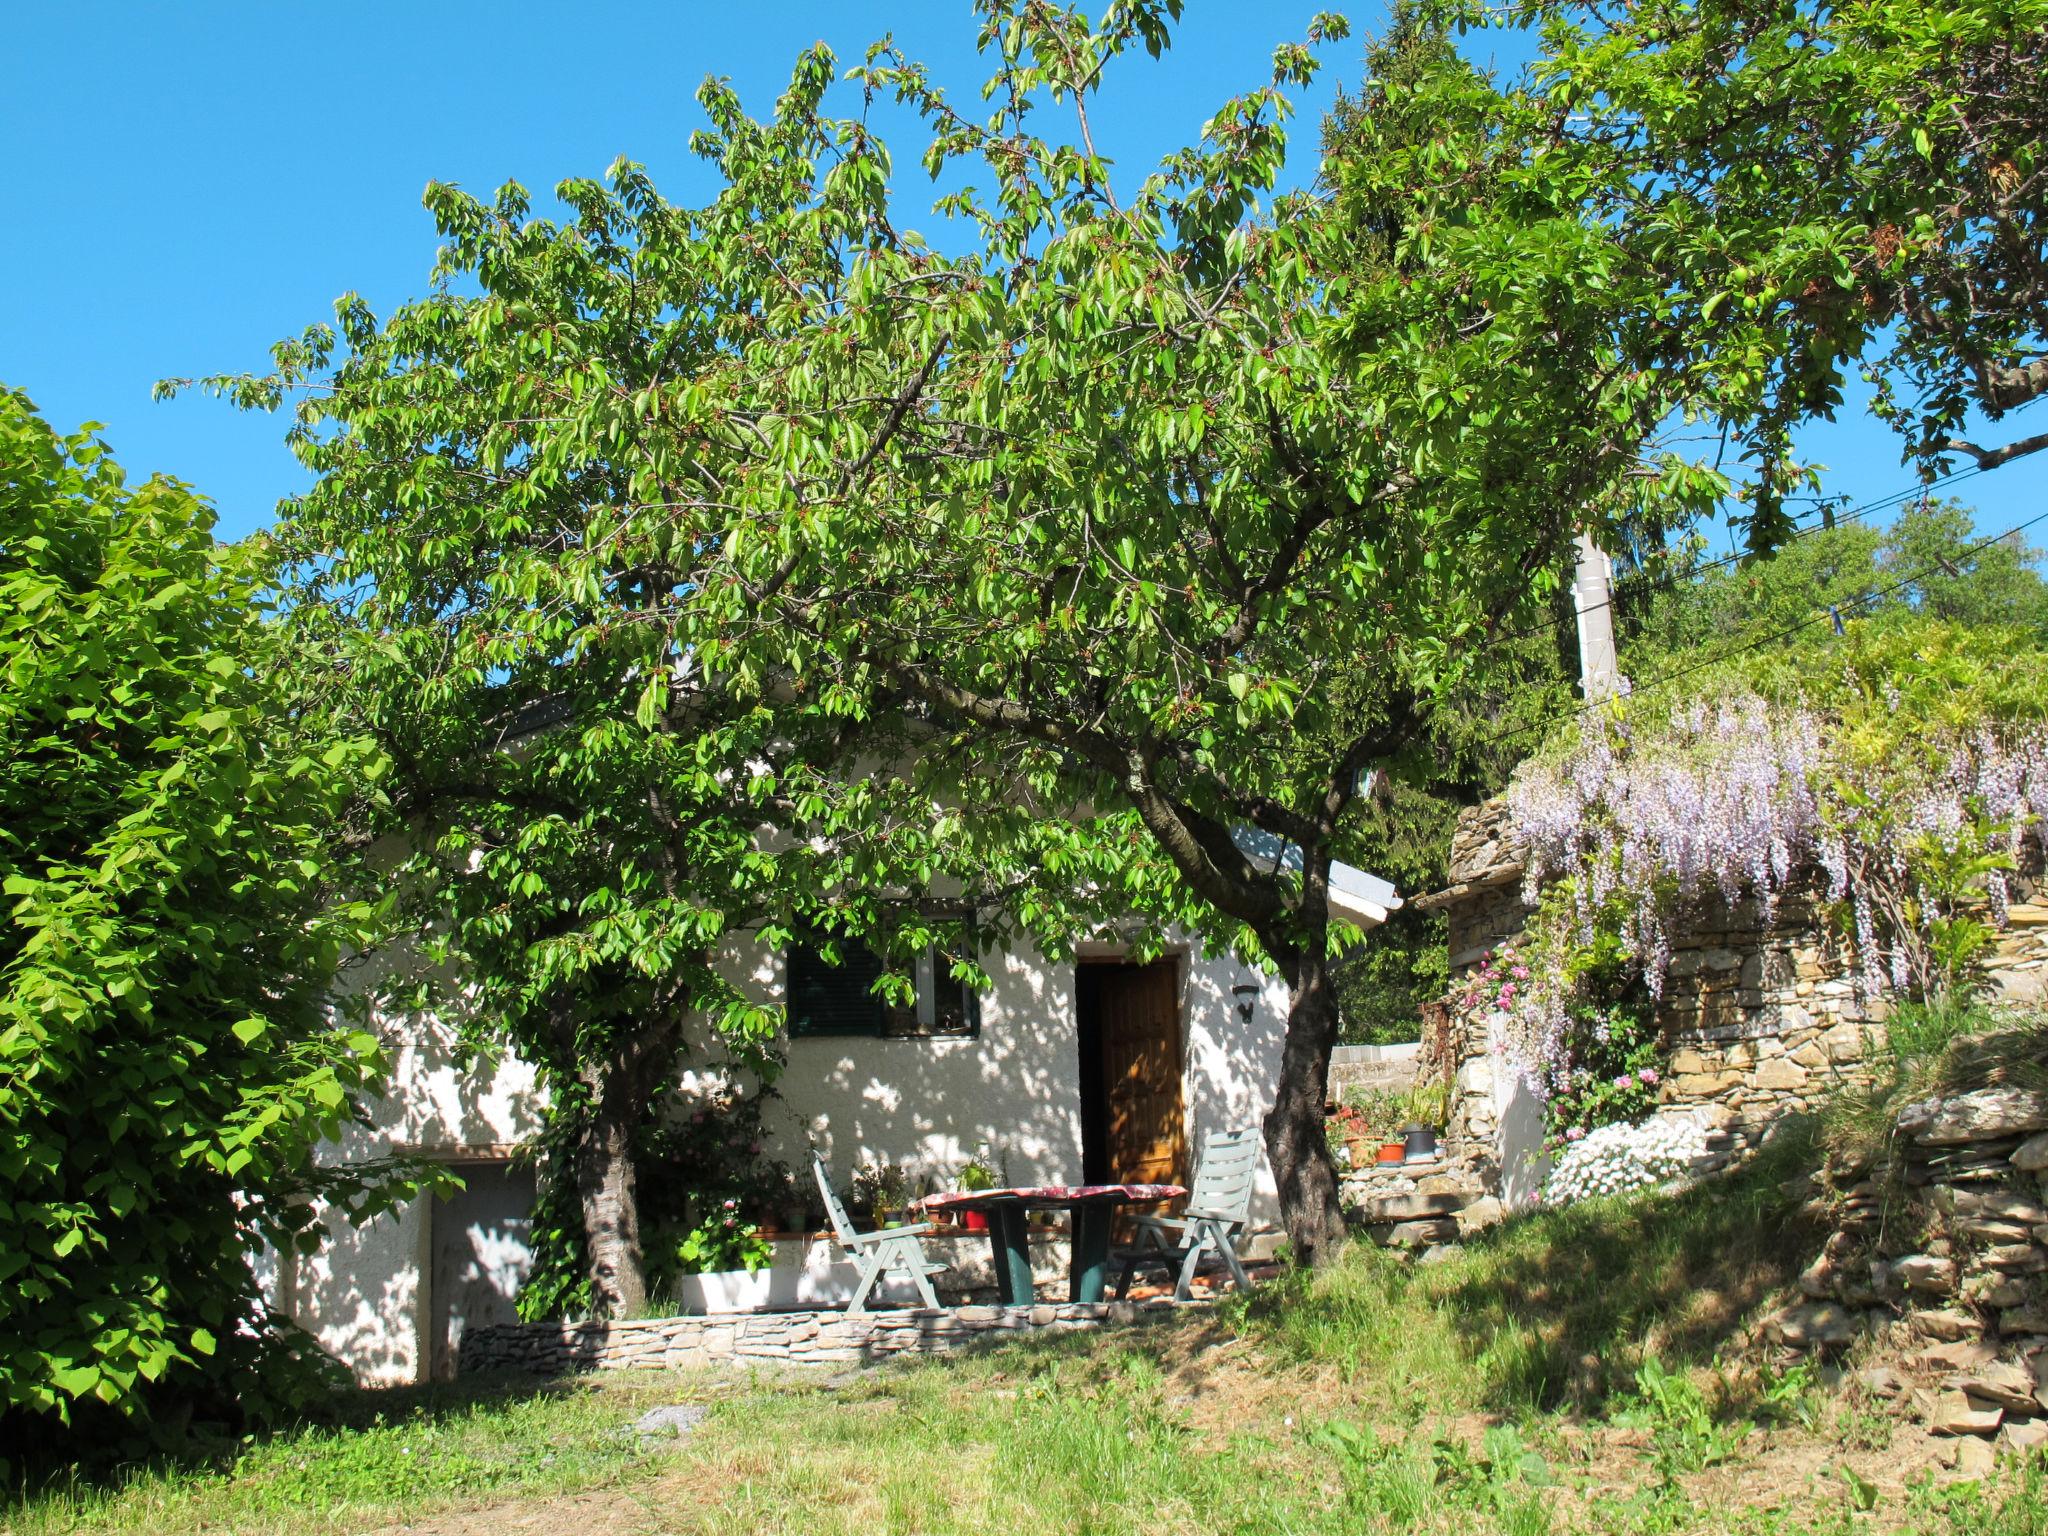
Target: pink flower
point(1521, 973)
point(1648, 1074)
point(1576, 1133)
point(1624, 1081)
point(1507, 992)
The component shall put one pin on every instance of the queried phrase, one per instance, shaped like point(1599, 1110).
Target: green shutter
point(827, 999)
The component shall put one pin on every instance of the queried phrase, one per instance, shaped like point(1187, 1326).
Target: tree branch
point(1991, 458)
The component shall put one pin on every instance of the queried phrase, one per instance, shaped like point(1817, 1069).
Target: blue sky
point(186, 183)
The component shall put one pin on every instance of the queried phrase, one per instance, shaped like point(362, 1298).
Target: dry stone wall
point(1949, 1261)
point(782, 1338)
point(1760, 1017)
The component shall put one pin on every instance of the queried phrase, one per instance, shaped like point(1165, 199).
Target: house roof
point(1356, 895)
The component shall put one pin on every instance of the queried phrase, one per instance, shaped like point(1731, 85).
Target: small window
point(828, 999)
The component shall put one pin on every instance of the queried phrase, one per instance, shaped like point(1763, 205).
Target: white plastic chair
point(1218, 1210)
point(877, 1253)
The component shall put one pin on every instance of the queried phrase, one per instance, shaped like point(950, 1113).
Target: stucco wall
point(929, 1102)
point(364, 1295)
point(926, 1102)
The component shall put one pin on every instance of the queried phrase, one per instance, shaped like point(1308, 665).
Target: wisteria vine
point(1909, 832)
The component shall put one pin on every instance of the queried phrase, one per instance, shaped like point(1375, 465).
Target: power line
point(1693, 573)
point(1823, 613)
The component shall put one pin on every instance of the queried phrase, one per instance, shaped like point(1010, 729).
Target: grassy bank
point(1572, 1373)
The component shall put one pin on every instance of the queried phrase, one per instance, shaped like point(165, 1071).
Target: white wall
point(928, 1102)
point(363, 1295)
point(925, 1102)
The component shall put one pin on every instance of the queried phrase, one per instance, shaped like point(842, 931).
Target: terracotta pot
point(974, 1221)
point(1392, 1152)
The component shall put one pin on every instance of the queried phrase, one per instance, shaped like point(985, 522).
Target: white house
point(1095, 1070)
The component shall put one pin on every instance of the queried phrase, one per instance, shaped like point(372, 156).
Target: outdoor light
point(1246, 993)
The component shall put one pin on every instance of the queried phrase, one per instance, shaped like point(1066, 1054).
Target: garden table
point(1094, 1208)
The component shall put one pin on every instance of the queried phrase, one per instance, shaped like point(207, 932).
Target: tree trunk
point(1295, 1143)
point(606, 1182)
point(621, 1084)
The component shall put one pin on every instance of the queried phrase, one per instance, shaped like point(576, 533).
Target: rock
point(1989, 1229)
point(1974, 1457)
point(1881, 1380)
point(1991, 1205)
point(1957, 1413)
point(1383, 1208)
point(1416, 1234)
point(1926, 1274)
point(1813, 1325)
point(2007, 1385)
point(1782, 1076)
point(675, 1420)
point(1462, 1185)
point(1481, 1214)
point(1437, 1253)
point(1821, 1278)
point(2032, 1154)
point(1949, 1324)
point(2015, 1258)
point(2022, 1435)
point(2002, 1292)
point(1962, 1355)
point(1979, 1116)
point(2032, 1319)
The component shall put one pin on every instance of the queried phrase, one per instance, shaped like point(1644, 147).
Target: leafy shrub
point(167, 1062)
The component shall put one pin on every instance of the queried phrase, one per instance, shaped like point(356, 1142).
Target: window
point(828, 999)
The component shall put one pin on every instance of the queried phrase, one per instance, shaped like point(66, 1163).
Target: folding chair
point(877, 1253)
point(1218, 1210)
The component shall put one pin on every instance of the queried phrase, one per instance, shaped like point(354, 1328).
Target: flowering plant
point(1609, 1073)
point(1617, 1158)
point(1902, 781)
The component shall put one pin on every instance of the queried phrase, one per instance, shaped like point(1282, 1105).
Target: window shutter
point(827, 999)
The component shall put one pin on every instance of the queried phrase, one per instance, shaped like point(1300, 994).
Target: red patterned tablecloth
point(1051, 1195)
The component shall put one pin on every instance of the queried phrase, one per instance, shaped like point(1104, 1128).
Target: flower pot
point(1391, 1152)
point(974, 1221)
point(1418, 1144)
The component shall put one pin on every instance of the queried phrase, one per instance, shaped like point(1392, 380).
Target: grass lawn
point(1573, 1373)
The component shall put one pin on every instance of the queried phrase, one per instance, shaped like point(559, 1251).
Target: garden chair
point(894, 1248)
point(1218, 1210)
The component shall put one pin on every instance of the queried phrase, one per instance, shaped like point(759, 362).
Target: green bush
point(166, 1059)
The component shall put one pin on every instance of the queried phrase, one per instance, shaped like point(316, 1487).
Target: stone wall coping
point(796, 1338)
point(1451, 895)
point(1372, 1055)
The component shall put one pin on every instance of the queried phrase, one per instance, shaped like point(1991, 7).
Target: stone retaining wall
point(783, 1338)
point(1365, 1068)
point(1952, 1262)
point(1760, 1017)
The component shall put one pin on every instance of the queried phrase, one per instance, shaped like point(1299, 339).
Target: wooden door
point(1146, 1140)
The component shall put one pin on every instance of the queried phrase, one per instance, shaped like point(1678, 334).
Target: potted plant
point(1369, 1118)
point(976, 1174)
point(882, 1191)
point(1424, 1105)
